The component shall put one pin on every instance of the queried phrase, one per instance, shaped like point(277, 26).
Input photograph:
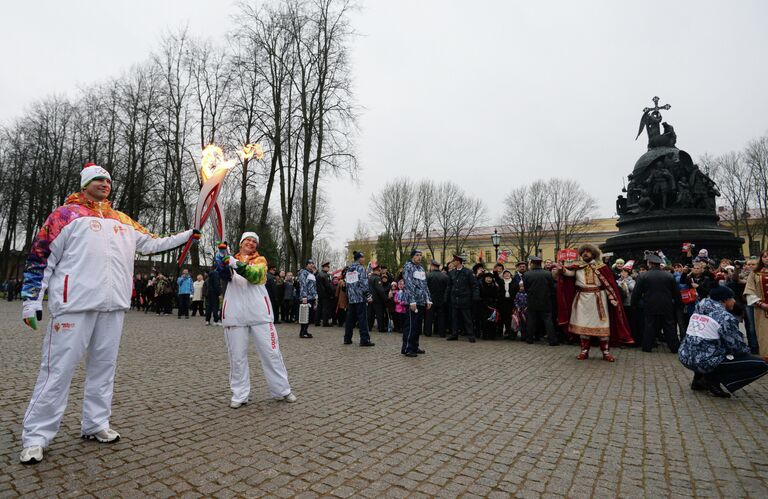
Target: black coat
point(271, 287)
point(705, 280)
point(462, 288)
point(437, 283)
point(659, 292)
point(213, 285)
point(504, 302)
point(540, 287)
point(324, 287)
point(378, 293)
point(489, 294)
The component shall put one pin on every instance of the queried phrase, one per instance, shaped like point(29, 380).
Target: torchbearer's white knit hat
point(246, 235)
point(91, 171)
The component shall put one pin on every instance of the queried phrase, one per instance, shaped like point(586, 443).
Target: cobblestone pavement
point(493, 419)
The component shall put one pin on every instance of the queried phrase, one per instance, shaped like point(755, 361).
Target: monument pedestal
point(669, 231)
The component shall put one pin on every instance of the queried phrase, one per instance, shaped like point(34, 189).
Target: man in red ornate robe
point(589, 304)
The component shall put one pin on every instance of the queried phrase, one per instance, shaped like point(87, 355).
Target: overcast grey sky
point(490, 94)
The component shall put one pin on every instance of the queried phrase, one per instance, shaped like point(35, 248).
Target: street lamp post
point(495, 239)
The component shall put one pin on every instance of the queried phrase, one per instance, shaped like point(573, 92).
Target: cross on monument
point(656, 108)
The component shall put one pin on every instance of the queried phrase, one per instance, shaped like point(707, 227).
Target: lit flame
point(250, 150)
point(213, 159)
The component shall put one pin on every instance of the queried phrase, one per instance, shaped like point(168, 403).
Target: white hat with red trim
point(91, 171)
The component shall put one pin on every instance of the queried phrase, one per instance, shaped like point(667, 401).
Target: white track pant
point(68, 338)
point(265, 338)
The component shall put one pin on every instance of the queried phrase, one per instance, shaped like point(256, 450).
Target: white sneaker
point(31, 455)
point(290, 398)
point(106, 436)
point(207, 323)
point(235, 405)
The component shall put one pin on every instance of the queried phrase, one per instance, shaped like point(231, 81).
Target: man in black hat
point(540, 288)
point(462, 291)
point(435, 318)
point(324, 296)
point(661, 295)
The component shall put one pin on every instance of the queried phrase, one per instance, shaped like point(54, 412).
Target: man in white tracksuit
point(247, 313)
point(83, 255)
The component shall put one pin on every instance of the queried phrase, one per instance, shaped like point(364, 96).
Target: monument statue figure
point(650, 122)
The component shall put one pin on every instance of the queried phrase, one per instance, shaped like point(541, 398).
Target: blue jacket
point(185, 285)
point(712, 333)
point(416, 290)
point(307, 285)
point(357, 283)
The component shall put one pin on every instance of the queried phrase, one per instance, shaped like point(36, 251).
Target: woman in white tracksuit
point(247, 314)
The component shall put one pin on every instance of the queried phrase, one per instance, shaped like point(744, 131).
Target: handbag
point(494, 317)
point(688, 295)
point(304, 313)
point(516, 322)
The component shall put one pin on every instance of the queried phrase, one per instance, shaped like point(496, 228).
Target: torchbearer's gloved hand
point(195, 235)
point(32, 313)
point(231, 261)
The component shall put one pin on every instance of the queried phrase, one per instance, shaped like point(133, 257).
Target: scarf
point(507, 282)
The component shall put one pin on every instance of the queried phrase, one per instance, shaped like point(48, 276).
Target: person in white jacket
point(83, 256)
point(247, 313)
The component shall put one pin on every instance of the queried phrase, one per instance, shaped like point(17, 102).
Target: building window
point(488, 256)
point(754, 248)
point(473, 256)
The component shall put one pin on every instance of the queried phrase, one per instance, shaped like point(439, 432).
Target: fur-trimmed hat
point(592, 249)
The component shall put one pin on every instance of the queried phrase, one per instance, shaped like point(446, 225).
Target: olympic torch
point(212, 172)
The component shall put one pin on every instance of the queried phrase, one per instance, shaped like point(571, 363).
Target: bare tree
point(393, 208)
point(756, 158)
point(571, 209)
point(526, 217)
point(470, 212)
point(446, 210)
point(173, 126)
point(737, 188)
point(284, 79)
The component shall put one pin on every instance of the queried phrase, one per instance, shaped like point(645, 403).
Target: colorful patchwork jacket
point(83, 255)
